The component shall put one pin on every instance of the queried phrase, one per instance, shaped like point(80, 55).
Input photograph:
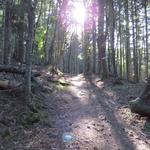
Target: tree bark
point(146, 38)
point(128, 55)
point(112, 35)
point(87, 50)
point(7, 32)
point(94, 37)
point(102, 41)
point(135, 58)
point(30, 11)
point(120, 43)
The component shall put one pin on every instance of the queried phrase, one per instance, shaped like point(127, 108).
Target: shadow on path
point(91, 117)
point(109, 110)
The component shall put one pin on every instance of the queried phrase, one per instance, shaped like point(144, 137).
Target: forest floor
point(93, 112)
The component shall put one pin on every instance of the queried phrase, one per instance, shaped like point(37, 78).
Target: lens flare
point(79, 13)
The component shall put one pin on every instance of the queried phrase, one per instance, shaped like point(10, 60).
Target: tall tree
point(135, 59)
point(128, 54)
point(94, 35)
point(20, 27)
point(112, 34)
point(120, 44)
point(102, 40)
point(30, 13)
point(146, 31)
point(7, 31)
point(87, 50)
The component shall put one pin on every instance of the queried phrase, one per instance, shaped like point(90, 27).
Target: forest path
point(91, 115)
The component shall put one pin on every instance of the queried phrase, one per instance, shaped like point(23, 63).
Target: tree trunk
point(128, 55)
point(87, 50)
point(146, 31)
point(7, 32)
point(112, 36)
point(120, 42)
point(135, 57)
point(30, 11)
point(94, 37)
point(19, 48)
point(102, 41)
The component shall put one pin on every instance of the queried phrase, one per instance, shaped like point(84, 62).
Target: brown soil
point(95, 112)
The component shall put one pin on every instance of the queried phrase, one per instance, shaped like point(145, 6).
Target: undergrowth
point(34, 114)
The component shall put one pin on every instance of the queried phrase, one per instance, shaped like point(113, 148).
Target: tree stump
point(141, 105)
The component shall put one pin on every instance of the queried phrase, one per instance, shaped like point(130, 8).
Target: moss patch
point(34, 114)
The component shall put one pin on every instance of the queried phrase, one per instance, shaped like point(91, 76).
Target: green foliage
point(1, 18)
point(62, 84)
point(60, 87)
point(39, 38)
point(33, 115)
point(53, 18)
point(31, 118)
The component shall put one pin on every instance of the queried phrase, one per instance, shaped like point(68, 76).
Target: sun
point(78, 13)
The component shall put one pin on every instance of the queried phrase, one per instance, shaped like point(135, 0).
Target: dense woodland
point(113, 38)
point(107, 38)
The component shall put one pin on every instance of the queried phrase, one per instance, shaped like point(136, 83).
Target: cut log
point(7, 84)
point(17, 70)
point(4, 84)
point(140, 106)
point(146, 93)
point(12, 69)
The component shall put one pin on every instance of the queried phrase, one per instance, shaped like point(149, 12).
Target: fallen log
point(17, 70)
point(12, 69)
point(146, 93)
point(141, 105)
point(7, 84)
point(4, 84)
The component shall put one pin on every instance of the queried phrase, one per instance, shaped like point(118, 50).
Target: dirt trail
point(91, 114)
point(94, 113)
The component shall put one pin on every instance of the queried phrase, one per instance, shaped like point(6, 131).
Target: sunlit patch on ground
point(92, 115)
point(86, 131)
point(83, 128)
point(126, 114)
point(76, 80)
